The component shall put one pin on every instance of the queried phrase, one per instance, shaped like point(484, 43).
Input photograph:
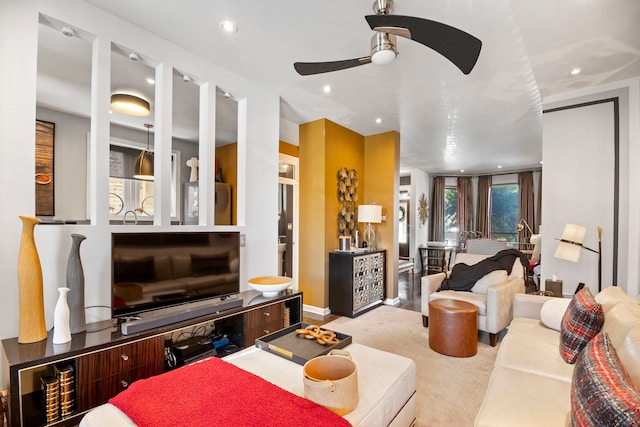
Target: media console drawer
point(104, 374)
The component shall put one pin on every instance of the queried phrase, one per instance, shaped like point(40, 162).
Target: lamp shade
point(571, 243)
point(370, 213)
point(143, 168)
point(130, 104)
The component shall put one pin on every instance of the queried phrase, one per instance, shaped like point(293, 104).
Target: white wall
point(578, 181)
point(419, 232)
point(258, 155)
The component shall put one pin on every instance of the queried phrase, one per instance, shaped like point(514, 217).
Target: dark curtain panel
point(465, 204)
point(484, 187)
point(437, 209)
point(527, 206)
point(539, 209)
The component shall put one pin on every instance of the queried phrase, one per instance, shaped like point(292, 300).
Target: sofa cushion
point(602, 393)
point(619, 320)
point(516, 398)
point(581, 322)
point(531, 347)
point(553, 311)
point(488, 280)
point(611, 296)
point(629, 353)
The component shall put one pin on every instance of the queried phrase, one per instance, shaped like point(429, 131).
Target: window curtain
point(437, 209)
point(484, 187)
point(539, 206)
point(527, 204)
point(465, 204)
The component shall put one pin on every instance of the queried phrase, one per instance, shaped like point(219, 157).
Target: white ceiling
point(447, 120)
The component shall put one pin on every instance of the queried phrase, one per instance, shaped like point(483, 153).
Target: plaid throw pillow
point(581, 322)
point(602, 393)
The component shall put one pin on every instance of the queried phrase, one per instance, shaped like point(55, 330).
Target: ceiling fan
point(459, 47)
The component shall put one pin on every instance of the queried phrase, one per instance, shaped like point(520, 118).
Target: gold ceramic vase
point(32, 326)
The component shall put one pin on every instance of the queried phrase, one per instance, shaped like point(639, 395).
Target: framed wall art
point(45, 201)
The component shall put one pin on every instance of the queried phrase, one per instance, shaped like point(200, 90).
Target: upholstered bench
point(387, 396)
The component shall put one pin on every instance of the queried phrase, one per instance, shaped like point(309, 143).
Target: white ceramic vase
point(61, 331)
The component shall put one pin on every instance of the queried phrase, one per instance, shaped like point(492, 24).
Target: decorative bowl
point(270, 286)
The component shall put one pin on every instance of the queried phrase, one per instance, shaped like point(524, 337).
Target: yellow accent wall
point(289, 149)
point(324, 148)
point(227, 158)
point(381, 180)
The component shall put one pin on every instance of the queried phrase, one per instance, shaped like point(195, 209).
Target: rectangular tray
point(285, 343)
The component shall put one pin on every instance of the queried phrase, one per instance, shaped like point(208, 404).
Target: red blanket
point(214, 392)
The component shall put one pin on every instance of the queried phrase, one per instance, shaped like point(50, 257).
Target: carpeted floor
point(450, 390)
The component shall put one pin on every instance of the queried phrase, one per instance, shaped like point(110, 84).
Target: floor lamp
point(570, 246)
point(370, 214)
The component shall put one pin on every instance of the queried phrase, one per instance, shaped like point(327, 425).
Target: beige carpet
point(450, 389)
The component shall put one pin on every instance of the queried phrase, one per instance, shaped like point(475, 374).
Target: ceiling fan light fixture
point(383, 48)
point(130, 104)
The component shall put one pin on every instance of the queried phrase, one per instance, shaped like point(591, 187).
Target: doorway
point(288, 217)
point(404, 224)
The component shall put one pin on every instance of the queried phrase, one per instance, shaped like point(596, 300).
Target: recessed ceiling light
point(540, 161)
point(499, 166)
point(151, 80)
point(326, 89)
point(576, 71)
point(461, 170)
point(68, 31)
point(378, 120)
point(228, 27)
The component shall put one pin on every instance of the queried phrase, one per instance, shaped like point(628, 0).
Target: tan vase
point(32, 326)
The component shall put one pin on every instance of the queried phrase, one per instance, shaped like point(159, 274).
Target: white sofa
point(493, 297)
point(531, 384)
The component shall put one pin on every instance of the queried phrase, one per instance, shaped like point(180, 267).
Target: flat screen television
point(153, 270)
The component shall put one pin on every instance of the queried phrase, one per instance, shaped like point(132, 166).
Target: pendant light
point(143, 169)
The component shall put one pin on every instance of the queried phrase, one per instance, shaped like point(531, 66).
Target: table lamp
point(571, 243)
point(370, 214)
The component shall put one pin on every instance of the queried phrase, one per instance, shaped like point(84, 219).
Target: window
point(504, 212)
point(129, 194)
point(451, 213)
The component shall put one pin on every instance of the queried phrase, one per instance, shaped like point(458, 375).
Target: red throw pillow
point(602, 392)
point(581, 322)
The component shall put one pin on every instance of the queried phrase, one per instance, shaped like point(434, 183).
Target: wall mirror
point(63, 99)
point(226, 158)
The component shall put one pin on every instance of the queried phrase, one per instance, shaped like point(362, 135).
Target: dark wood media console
point(105, 362)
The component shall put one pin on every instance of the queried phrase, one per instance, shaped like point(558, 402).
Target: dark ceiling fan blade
point(308, 68)
point(457, 46)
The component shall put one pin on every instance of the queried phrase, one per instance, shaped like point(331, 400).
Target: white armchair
point(493, 294)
